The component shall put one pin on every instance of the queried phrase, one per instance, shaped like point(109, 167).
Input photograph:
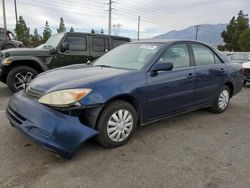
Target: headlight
point(64, 98)
point(7, 61)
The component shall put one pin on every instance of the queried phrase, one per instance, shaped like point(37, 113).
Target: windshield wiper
point(106, 66)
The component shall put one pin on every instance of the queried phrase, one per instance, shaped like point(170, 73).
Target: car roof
point(97, 34)
point(167, 41)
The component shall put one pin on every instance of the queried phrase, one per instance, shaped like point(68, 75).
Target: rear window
point(100, 44)
point(117, 42)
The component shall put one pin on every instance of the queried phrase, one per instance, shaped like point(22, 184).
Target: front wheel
point(221, 101)
point(19, 77)
point(116, 124)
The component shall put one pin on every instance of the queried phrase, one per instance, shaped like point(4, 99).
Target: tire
point(18, 74)
point(221, 101)
point(107, 125)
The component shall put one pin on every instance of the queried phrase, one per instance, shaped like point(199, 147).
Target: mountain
point(207, 33)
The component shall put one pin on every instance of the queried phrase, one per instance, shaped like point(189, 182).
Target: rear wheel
point(19, 77)
point(116, 124)
point(221, 101)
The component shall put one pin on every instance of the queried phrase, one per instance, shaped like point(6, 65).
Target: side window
point(117, 42)
point(217, 60)
point(202, 55)
point(100, 44)
point(178, 55)
point(76, 43)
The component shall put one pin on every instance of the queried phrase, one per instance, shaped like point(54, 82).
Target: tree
point(36, 39)
point(234, 29)
point(92, 31)
point(47, 32)
point(71, 29)
point(62, 27)
point(22, 31)
point(244, 41)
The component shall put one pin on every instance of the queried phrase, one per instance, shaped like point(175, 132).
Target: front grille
point(34, 93)
point(18, 119)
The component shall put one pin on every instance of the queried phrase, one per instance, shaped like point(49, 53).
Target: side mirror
point(161, 67)
point(64, 46)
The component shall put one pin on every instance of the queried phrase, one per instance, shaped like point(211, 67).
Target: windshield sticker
point(149, 47)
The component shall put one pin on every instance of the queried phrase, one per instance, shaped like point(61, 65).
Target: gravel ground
point(198, 149)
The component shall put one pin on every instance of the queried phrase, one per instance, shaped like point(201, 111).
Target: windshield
point(53, 41)
point(240, 56)
point(128, 56)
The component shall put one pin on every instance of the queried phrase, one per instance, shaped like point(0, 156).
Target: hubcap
point(223, 99)
point(120, 125)
point(22, 79)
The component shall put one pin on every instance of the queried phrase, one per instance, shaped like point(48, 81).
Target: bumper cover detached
point(50, 129)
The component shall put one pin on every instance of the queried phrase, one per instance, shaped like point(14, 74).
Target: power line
point(116, 29)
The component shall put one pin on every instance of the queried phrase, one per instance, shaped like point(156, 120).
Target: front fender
point(37, 60)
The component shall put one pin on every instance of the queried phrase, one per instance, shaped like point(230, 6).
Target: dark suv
point(10, 41)
point(19, 66)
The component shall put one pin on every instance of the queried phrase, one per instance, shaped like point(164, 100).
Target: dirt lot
point(198, 149)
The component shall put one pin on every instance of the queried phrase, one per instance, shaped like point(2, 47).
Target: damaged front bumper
point(52, 130)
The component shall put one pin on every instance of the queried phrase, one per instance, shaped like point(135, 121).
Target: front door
point(171, 92)
point(78, 52)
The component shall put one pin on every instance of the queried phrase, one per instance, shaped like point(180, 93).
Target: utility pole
point(116, 28)
point(4, 20)
point(196, 31)
point(110, 16)
point(16, 11)
point(138, 31)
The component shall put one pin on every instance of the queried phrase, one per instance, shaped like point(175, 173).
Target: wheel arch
point(127, 98)
point(231, 88)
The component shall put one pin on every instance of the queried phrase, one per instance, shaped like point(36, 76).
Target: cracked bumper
point(50, 129)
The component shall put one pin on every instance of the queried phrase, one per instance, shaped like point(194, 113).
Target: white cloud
point(157, 16)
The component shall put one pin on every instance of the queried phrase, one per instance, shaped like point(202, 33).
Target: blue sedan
point(133, 85)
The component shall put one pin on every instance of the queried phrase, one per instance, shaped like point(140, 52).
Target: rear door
point(170, 92)
point(99, 46)
point(210, 73)
point(78, 52)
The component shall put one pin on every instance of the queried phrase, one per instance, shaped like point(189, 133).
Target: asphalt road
point(198, 149)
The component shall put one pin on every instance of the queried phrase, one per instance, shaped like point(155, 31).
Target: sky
point(157, 16)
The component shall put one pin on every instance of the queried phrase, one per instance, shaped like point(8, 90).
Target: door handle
point(190, 76)
point(222, 70)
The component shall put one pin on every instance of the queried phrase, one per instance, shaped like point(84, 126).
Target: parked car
point(246, 67)
point(10, 41)
point(239, 57)
point(19, 66)
point(134, 84)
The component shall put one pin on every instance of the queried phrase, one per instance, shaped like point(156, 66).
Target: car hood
point(26, 52)
point(76, 76)
point(246, 65)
